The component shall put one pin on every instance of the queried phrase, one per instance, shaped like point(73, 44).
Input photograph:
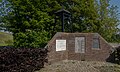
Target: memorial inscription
point(60, 45)
point(80, 44)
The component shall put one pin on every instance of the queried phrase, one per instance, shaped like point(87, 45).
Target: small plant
point(117, 55)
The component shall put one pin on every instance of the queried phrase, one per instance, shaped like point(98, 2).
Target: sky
point(117, 3)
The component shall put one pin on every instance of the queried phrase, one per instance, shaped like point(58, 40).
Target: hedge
point(22, 59)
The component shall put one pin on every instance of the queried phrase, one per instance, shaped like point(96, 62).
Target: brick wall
point(90, 54)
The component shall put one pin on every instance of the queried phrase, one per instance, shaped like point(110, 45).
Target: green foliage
point(88, 16)
point(30, 26)
point(37, 17)
point(30, 39)
point(117, 55)
point(108, 20)
point(5, 8)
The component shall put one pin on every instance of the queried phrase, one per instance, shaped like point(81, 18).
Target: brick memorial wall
point(78, 46)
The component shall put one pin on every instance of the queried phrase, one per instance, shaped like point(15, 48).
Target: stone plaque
point(79, 44)
point(60, 45)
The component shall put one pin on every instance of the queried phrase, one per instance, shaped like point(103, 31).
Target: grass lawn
point(6, 39)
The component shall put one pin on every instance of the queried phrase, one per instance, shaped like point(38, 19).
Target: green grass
point(6, 39)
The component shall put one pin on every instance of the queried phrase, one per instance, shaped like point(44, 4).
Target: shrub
point(117, 55)
point(22, 59)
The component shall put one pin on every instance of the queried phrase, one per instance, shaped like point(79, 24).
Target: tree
point(83, 13)
point(5, 8)
point(27, 22)
point(31, 38)
point(38, 16)
point(89, 16)
point(108, 16)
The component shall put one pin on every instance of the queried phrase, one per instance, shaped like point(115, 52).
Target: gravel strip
point(80, 66)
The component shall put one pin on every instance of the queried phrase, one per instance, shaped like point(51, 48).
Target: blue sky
point(117, 3)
